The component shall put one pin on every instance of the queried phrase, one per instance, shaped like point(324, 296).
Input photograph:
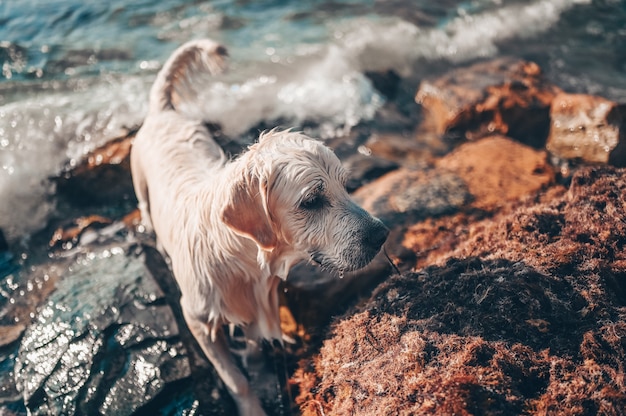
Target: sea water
point(76, 73)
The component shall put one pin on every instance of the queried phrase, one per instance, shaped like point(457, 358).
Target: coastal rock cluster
point(514, 302)
point(502, 289)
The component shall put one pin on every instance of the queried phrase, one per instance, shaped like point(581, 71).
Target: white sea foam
point(41, 133)
point(395, 43)
point(325, 87)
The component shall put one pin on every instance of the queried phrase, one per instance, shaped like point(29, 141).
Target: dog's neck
point(279, 261)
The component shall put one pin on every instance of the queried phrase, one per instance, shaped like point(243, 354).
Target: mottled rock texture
point(505, 96)
point(408, 195)
point(588, 128)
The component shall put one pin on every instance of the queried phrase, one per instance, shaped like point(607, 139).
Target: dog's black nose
point(376, 235)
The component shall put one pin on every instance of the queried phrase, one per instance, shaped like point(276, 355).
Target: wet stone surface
point(104, 342)
point(588, 128)
point(505, 96)
point(408, 195)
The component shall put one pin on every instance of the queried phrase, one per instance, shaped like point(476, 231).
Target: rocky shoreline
point(507, 293)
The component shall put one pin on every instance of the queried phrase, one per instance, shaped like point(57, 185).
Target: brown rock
point(363, 167)
point(501, 96)
point(408, 195)
point(526, 316)
point(468, 185)
point(11, 333)
point(405, 148)
point(132, 219)
point(498, 169)
point(32, 289)
point(102, 177)
point(588, 128)
point(72, 232)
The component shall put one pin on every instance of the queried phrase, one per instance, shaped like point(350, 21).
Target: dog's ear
point(246, 213)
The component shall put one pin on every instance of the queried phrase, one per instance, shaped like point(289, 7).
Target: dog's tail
point(174, 83)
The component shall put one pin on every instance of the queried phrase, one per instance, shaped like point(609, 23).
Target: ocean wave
point(394, 43)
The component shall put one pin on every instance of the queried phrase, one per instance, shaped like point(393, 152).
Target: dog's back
point(172, 148)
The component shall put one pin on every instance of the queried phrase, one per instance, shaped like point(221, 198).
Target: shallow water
point(76, 73)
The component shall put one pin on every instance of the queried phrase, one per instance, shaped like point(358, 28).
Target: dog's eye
point(315, 202)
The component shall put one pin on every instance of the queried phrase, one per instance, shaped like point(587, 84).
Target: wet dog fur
point(233, 228)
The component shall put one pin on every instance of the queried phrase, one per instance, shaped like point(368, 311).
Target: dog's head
point(292, 195)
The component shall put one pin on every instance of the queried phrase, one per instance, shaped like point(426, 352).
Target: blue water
point(75, 73)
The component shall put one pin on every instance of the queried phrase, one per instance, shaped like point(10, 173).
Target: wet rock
point(409, 195)
point(70, 234)
point(386, 82)
point(4, 246)
point(499, 173)
point(10, 333)
point(589, 128)
point(485, 174)
point(104, 341)
point(6, 266)
point(504, 96)
point(22, 291)
point(103, 176)
point(404, 148)
point(497, 170)
point(364, 168)
point(524, 317)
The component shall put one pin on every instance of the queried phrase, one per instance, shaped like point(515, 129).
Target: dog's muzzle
point(365, 235)
point(372, 236)
point(375, 236)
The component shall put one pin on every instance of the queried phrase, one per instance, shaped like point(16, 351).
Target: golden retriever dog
point(232, 229)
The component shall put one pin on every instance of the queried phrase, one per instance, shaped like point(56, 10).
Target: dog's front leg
point(220, 356)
